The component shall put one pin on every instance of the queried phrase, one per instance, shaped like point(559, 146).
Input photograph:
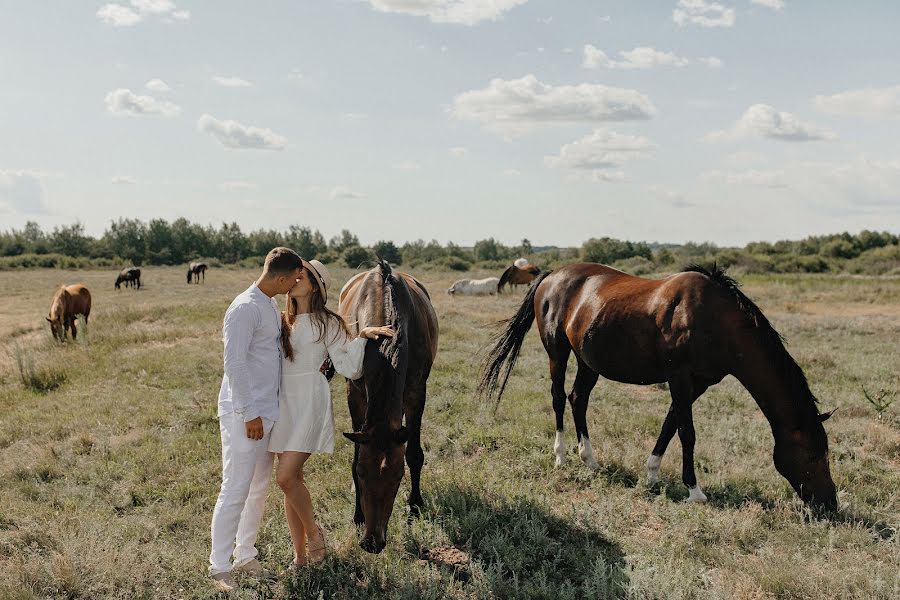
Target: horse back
point(79, 300)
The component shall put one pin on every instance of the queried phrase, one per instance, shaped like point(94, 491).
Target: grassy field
point(110, 465)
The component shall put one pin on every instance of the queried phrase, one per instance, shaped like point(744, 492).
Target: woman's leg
point(298, 532)
point(290, 479)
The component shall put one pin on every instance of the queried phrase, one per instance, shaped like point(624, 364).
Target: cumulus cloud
point(232, 134)
point(519, 105)
point(761, 120)
point(157, 85)
point(125, 102)
point(866, 102)
point(122, 15)
point(773, 4)
point(344, 193)
point(458, 12)
point(705, 14)
point(601, 154)
point(22, 192)
point(639, 58)
point(712, 62)
point(122, 180)
point(770, 179)
point(231, 81)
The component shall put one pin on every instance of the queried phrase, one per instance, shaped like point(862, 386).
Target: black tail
point(509, 342)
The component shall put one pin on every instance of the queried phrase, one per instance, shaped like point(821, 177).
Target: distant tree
point(231, 245)
point(343, 241)
point(608, 250)
point(388, 251)
point(525, 247)
point(489, 249)
point(70, 240)
point(304, 242)
point(355, 256)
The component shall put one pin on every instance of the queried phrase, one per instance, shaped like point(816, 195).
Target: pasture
point(109, 461)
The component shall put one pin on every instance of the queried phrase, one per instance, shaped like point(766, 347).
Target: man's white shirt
point(252, 336)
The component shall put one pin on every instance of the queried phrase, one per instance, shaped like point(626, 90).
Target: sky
point(455, 120)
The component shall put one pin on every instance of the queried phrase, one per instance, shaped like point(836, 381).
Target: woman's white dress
point(306, 420)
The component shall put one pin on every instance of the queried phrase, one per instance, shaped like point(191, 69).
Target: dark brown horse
point(130, 276)
point(69, 302)
point(690, 330)
point(195, 270)
point(516, 276)
point(391, 391)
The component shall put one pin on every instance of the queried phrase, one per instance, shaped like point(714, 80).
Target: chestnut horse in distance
point(516, 276)
point(68, 302)
point(391, 391)
point(691, 330)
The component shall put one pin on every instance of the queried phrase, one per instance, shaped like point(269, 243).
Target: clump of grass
point(881, 400)
point(41, 380)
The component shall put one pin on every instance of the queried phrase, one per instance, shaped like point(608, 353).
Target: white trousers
point(246, 472)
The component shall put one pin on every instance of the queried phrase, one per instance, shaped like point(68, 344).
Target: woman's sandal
point(312, 550)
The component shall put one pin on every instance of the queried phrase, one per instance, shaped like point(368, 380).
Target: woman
point(310, 334)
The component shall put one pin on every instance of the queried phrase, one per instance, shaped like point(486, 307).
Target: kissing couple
point(276, 402)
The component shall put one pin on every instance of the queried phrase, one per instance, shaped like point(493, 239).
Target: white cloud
point(459, 12)
point(770, 179)
point(232, 134)
point(157, 85)
point(761, 120)
point(705, 14)
point(353, 116)
point(458, 151)
point(231, 81)
point(181, 15)
point(511, 173)
point(118, 15)
point(407, 165)
point(676, 199)
point(602, 149)
point(154, 7)
point(866, 102)
point(639, 58)
point(344, 193)
point(122, 180)
point(712, 62)
point(238, 186)
point(126, 102)
point(773, 4)
point(519, 105)
point(23, 192)
point(609, 176)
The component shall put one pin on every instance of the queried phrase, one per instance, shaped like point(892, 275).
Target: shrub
point(355, 256)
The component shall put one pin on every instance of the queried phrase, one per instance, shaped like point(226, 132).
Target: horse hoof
point(652, 477)
point(560, 461)
point(696, 495)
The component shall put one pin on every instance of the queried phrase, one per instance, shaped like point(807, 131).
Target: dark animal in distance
point(691, 330)
point(130, 276)
point(69, 302)
point(516, 276)
point(391, 391)
point(195, 270)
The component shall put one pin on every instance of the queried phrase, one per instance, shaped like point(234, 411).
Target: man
point(248, 407)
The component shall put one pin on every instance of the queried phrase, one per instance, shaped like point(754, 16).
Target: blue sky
point(658, 120)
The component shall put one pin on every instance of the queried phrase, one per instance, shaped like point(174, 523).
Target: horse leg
point(356, 401)
point(585, 380)
point(559, 357)
point(415, 457)
point(682, 390)
point(669, 427)
point(74, 328)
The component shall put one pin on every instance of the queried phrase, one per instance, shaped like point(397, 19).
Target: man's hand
point(254, 428)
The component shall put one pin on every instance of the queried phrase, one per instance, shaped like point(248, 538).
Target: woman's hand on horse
point(372, 333)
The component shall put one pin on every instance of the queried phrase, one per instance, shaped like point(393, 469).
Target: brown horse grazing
point(391, 390)
point(515, 276)
point(129, 276)
point(68, 303)
point(691, 330)
point(195, 270)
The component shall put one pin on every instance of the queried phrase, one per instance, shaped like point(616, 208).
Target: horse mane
point(59, 302)
point(504, 279)
point(772, 340)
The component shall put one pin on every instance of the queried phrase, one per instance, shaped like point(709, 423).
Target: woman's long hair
point(320, 314)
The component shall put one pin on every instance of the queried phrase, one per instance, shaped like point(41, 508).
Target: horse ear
point(358, 437)
point(825, 416)
point(401, 435)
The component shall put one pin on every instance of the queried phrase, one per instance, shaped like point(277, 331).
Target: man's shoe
point(224, 582)
point(253, 569)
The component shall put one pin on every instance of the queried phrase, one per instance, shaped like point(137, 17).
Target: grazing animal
point(691, 330)
point(69, 302)
point(516, 276)
point(195, 270)
point(130, 276)
point(391, 391)
point(474, 287)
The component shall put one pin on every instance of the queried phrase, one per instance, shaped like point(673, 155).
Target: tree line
point(160, 242)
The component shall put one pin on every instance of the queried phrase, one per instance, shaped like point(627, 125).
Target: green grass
point(107, 481)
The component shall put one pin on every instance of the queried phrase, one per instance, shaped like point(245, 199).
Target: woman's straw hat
point(320, 272)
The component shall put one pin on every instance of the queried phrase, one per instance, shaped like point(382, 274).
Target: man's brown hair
point(282, 261)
